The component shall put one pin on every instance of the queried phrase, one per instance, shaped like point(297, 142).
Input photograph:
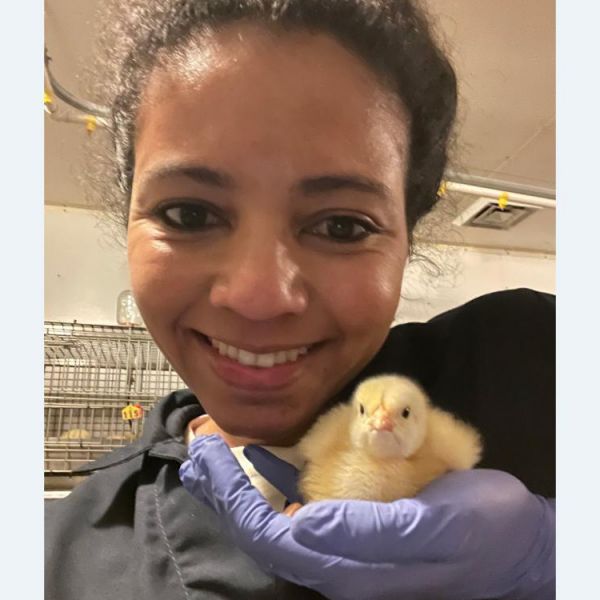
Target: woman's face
point(267, 237)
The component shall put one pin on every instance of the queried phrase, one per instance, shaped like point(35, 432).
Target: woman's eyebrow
point(310, 186)
point(332, 183)
point(199, 173)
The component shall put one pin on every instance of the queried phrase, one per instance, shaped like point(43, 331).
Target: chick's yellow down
point(387, 443)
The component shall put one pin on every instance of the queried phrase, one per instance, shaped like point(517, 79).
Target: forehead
point(246, 91)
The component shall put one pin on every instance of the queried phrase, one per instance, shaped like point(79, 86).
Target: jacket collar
point(164, 429)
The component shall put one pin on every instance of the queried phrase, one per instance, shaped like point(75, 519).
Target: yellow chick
point(76, 434)
point(387, 443)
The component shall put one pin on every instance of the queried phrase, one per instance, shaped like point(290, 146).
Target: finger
point(405, 530)
point(276, 471)
point(214, 475)
point(192, 483)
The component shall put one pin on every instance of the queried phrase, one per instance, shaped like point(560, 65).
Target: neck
point(208, 426)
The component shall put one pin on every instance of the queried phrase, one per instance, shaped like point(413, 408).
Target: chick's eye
point(343, 229)
point(406, 412)
point(362, 409)
point(189, 216)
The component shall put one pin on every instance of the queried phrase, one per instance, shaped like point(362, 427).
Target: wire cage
point(100, 383)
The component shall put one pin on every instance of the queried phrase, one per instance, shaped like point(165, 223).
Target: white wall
point(86, 269)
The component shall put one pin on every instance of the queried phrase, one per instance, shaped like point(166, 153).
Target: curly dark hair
point(393, 37)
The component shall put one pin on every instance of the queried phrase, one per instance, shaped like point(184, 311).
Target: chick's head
point(389, 416)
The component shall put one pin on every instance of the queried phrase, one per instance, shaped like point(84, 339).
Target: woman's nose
point(260, 281)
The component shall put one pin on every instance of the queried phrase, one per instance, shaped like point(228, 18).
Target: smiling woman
point(272, 160)
point(278, 226)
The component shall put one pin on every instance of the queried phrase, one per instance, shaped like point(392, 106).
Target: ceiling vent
point(488, 214)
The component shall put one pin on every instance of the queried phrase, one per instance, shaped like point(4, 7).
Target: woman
point(274, 158)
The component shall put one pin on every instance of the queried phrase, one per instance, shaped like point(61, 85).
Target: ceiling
point(504, 54)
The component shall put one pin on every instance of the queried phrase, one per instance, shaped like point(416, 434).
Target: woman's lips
point(250, 378)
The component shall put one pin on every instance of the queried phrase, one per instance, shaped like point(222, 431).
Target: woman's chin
point(261, 433)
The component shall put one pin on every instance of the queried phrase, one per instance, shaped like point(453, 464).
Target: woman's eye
point(190, 217)
point(343, 229)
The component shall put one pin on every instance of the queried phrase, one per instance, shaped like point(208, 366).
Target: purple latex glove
point(469, 535)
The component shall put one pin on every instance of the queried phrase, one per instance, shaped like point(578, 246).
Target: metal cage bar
point(92, 372)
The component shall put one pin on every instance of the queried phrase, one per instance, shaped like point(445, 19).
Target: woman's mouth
point(260, 361)
point(251, 370)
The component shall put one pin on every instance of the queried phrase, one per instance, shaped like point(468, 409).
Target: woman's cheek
point(365, 292)
point(157, 271)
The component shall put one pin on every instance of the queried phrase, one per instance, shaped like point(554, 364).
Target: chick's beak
point(381, 420)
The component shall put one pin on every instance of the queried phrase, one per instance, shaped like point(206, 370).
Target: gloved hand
point(469, 535)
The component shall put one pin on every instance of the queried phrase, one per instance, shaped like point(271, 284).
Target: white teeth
point(265, 360)
point(247, 358)
point(258, 360)
point(292, 355)
point(280, 357)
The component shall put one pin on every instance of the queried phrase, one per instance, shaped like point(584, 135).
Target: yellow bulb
point(503, 200)
point(90, 124)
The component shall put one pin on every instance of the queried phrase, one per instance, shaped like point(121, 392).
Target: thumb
point(279, 473)
point(405, 530)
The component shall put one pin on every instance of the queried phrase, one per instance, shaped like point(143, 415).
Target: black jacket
point(131, 531)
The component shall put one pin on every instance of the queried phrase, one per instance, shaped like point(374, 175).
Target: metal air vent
point(486, 213)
